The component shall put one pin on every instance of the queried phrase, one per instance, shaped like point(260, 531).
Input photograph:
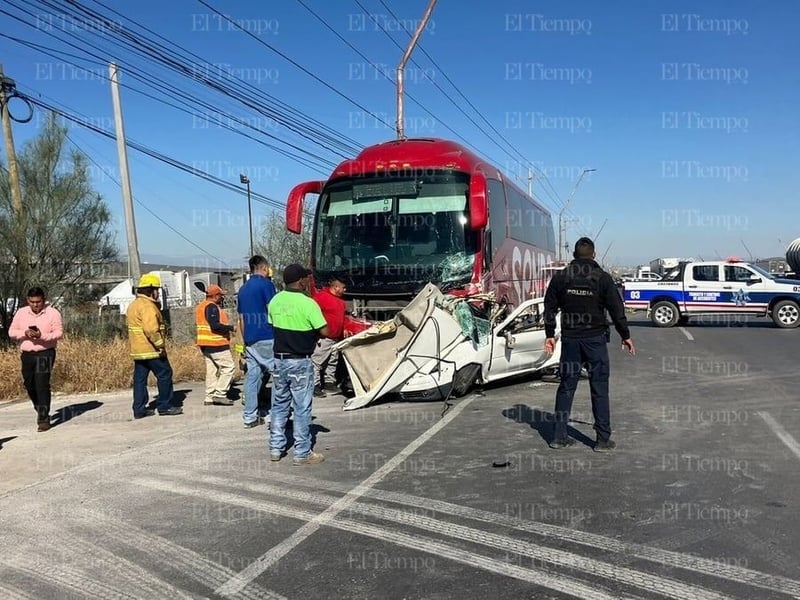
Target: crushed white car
point(441, 345)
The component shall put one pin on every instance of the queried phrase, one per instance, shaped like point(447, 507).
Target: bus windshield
point(395, 230)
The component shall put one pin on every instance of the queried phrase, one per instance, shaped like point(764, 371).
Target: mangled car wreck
point(440, 345)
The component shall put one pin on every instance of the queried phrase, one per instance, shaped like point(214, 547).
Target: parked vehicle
point(178, 288)
point(716, 288)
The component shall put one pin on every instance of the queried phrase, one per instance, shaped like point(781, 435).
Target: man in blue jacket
point(253, 299)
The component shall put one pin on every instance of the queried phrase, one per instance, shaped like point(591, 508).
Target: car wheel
point(464, 379)
point(786, 314)
point(664, 314)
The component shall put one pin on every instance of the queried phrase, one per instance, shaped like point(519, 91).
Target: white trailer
point(178, 288)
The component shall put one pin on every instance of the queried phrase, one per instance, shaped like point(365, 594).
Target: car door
point(745, 290)
point(518, 343)
point(704, 291)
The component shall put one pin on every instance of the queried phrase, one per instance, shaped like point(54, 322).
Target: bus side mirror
point(478, 205)
point(294, 205)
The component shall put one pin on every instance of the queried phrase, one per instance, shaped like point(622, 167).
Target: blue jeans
point(260, 362)
point(162, 370)
point(293, 386)
point(574, 352)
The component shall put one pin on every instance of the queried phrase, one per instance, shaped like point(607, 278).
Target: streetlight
point(244, 179)
point(561, 228)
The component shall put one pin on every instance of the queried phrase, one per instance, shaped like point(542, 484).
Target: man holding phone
point(38, 326)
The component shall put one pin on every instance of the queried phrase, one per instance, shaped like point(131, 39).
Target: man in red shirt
point(325, 360)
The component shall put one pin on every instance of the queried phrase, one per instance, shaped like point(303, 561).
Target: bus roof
point(412, 154)
point(422, 153)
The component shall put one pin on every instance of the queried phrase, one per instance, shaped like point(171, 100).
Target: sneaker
point(319, 393)
point(207, 402)
point(311, 459)
point(604, 445)
point(255, 423)
point(172, 410)
point(557, 444)
point(331, 387)
point(148, 413)
point(275, 456)
point(43, 425)
point(222, 401)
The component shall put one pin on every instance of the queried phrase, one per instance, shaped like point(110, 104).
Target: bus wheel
point(664, 314)
point(464, 379)
point(786, 314)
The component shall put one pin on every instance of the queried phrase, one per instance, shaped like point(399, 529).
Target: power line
point(143, 205)
point(183, 96)
point(85, 122)
point(292, 61)
point(553, 198)
point(150, 50)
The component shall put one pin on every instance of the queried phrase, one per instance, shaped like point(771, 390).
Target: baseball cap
point(294, 273)
point(214, 289)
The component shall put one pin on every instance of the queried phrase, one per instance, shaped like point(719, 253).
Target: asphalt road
point(698, 501)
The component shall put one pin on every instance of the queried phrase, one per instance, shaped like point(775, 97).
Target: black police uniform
point(584, 292)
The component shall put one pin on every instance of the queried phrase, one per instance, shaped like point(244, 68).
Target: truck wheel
point(664, 314)
point(786, 314)
point(464, 378)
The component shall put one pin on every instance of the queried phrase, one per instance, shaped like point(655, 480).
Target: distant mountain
point(196, 260)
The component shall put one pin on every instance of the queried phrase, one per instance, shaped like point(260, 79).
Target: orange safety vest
point(206, 337)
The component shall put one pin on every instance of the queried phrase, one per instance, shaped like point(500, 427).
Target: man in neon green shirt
point(298, 323)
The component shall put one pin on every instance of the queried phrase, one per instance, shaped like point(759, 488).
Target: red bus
point(407, 212)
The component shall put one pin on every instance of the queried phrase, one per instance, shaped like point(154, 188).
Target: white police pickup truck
point(716, 288)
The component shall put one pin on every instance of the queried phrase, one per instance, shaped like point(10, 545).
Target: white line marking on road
point(688, 335)
point(276, 553)
point(784, 435)
point(665, 586)
point(203, 569)
point(558, 581)
point(595, 541)
point(8, 592)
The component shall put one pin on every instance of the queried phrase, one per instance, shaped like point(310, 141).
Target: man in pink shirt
point(38, 327)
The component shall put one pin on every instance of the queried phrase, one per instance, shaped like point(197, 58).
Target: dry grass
point(84, 365)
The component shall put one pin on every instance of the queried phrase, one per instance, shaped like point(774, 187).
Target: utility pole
point(401, 68)
point(530, 182)
point(7, 87)
point(561, 224)
point(7, 90)
point(125, 179)
point(246, 181)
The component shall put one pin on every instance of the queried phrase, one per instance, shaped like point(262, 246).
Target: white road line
point(202, 569)
point(90, 559)
point(276, 553)
point(8, 592)
point(65, 578)
point(665, 586)
point(782, 434)
point(688, 335)
point(557, 581)
point(595, 541)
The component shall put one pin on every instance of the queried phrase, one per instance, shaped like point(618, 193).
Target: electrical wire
point(143, 205)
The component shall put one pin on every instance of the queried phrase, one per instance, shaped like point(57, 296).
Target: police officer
point(583, 292)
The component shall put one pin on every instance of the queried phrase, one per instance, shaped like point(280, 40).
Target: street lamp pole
point(561, 227)
point(246, 180)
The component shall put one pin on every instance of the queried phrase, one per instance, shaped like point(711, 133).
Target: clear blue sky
point(688, 111)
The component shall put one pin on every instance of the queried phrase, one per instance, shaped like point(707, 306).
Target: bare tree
point(282, 247)
point(65, 230)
